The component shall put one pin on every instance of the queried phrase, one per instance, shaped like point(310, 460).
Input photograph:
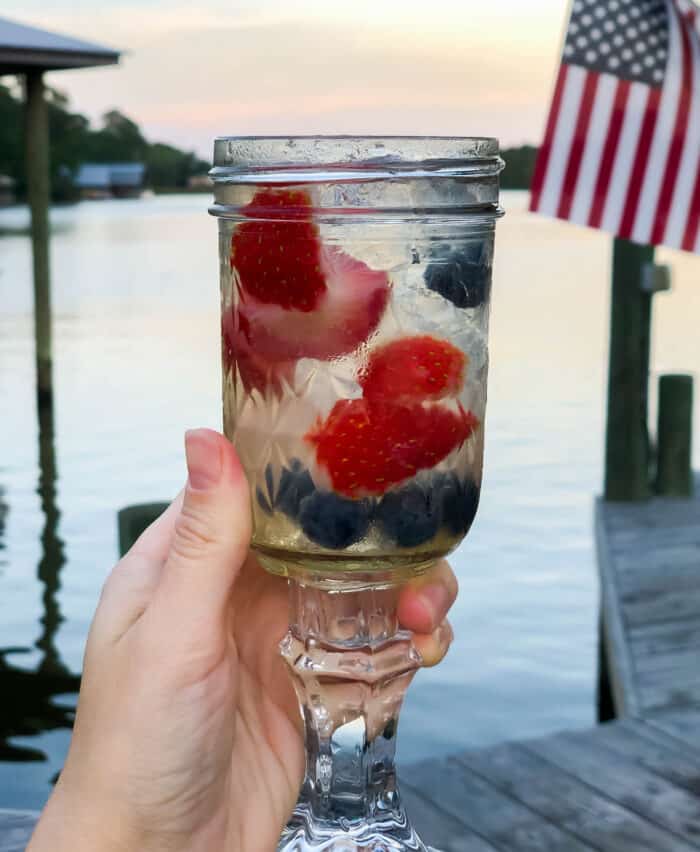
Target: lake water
point(137, 362)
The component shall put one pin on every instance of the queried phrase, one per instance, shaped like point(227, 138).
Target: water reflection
point(29, 706)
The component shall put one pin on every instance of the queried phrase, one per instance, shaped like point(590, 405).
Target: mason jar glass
point(355, 288)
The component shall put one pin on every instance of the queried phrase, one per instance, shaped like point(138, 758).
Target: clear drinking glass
point(355, 284)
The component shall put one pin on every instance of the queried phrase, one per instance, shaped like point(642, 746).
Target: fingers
point(209, 542)
point(425, 602)
point(434, 646)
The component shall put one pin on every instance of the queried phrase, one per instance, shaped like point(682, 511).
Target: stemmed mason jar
point(355, 284)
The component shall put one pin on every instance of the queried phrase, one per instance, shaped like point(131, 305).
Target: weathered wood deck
point(629, 786)
point(649, 561)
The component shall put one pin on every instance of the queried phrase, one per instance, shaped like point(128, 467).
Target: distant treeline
point(74, 142)
point(520, 164)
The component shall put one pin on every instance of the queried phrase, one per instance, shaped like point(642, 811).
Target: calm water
point(136, 363)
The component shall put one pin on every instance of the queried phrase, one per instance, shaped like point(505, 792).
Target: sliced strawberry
point(367, 447)
point(414, 369)
point(345, 315)
point(256, 373)
point(278, 261)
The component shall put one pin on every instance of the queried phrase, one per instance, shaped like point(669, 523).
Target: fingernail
point(203, 459)
point(437, 599)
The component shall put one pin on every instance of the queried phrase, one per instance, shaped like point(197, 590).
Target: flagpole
point(627, 475)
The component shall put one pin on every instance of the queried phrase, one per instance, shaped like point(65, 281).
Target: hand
point(187, 734)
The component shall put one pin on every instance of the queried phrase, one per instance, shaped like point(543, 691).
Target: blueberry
point(463, 277)
point(263, 502)
point(295, 484)
point(270, 483)
point(333, 521)
point(460, 500)
point(409, 516)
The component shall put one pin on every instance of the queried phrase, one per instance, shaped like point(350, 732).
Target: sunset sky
point(313, 66)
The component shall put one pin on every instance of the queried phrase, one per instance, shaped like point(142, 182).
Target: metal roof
point(24, 48)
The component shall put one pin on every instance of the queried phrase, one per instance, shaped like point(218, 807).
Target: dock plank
point(439, 828)
point(654, 750)
point(649, 566)
point(561, 797)
point(504, 822)
point(617, 776)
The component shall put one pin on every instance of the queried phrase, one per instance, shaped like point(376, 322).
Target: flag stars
point(658, 76)
point(619, 37)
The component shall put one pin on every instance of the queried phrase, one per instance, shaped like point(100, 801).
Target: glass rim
point(237, 158)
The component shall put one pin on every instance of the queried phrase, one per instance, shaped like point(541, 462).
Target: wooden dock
point(649, 561)
point(628, 786)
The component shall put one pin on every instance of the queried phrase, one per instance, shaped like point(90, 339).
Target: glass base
point(351, 665)
point(392, 833)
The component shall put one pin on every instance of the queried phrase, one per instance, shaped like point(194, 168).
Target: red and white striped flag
point(622, 145)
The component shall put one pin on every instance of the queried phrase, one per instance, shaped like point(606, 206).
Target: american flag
point(622, 144)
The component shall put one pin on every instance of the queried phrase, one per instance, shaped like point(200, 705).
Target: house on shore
point(110, 180)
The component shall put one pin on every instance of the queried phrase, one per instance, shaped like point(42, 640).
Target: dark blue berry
point(263, 502)
point(409, 516)
point(463, 277)
point(295, 484)
point(333, 521)
point(270, 483)
point(460, 500)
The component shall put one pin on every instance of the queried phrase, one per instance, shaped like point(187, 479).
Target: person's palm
point(188, 735)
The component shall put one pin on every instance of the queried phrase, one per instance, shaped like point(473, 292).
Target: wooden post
point(674, 476)
point(627, 438)
point(38, 195)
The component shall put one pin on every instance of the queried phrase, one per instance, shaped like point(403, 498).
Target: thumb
point(210, 540)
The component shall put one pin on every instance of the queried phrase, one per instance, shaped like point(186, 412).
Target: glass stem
point(351, 664)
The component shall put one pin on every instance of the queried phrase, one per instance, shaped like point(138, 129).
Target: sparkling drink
point(355, 284)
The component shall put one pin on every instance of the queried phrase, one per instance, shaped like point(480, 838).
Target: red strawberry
point(367, 447)
point(279, 262)
point(255, 372)
point(344, 317)
point(414, 369)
